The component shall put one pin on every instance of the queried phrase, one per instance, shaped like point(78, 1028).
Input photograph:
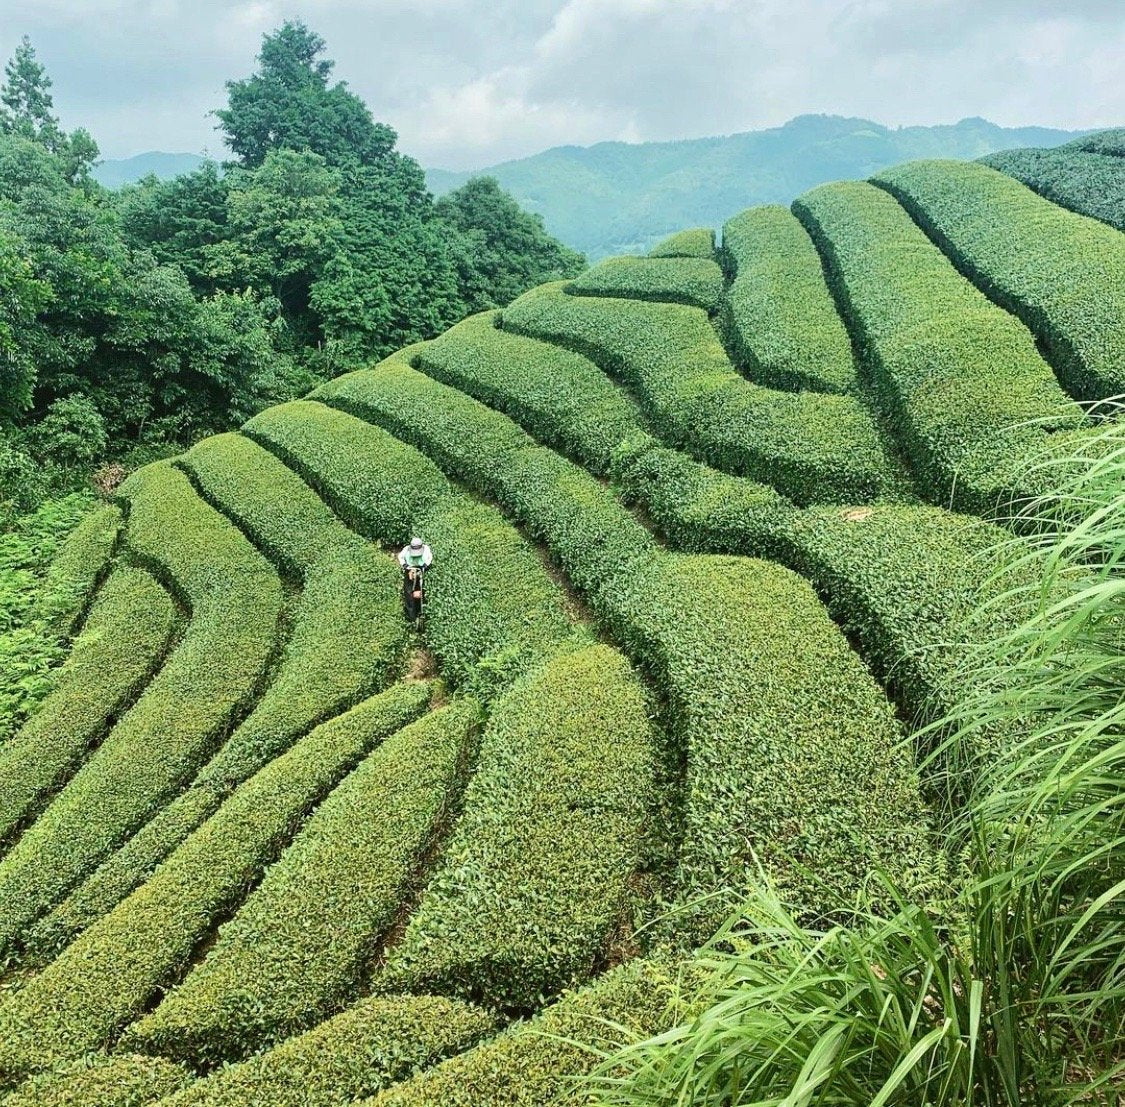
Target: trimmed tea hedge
point(378, 486)
point(795, 760)
point(694, 507)
point(697, 242)
point(269, 502)
point(297, 948)
point(562, 398)
point(534, 1063)
point(901, 580)
point(348, 641)
point(594, 538)
point(1087, 183)
point(967, 389)
point(1061, 273)
point(1110, 142)
point(697, 282)
point(741, 647)
point(813, 448)
point(536, 873)
point(127, 1080)
point(79, 567)
point(123, 643)
point(108, 975)
point(492, 610)
point(235, 597)
point(778, 318)
point(368, 1047)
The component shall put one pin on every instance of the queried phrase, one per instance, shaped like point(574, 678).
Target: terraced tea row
point(1062, 274)
point(724, 709)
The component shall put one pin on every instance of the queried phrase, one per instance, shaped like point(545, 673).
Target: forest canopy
point(133, 322)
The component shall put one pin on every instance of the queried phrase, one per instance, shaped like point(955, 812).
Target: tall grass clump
point(1015, 994)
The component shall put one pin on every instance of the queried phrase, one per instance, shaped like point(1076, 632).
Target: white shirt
point(406, 563)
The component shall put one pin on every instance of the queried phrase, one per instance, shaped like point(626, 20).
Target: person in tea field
point(415, 558)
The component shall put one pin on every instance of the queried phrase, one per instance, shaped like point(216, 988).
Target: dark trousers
point(411, 583)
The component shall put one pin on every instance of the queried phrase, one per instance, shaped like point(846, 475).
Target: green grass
point(1063, 274)
point(812, 448)
point(298, 947)
point(536, 874)
point(51, 563)
point(697, 282)
point(105, 979)
point(778, 318)
point(159, 744)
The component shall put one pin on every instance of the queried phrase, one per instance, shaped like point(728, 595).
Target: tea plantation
point(707, 526)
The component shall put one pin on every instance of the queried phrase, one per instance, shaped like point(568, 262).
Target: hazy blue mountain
point(618, 197)
point(114, 172)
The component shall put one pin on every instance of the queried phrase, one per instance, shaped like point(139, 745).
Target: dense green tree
point(289, 104)
point(285, 222)
point(505, 250)
point(26, 109)
point(22, 297)
point(394, 279)
point(180, 221)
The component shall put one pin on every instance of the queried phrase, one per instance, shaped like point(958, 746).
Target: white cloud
point(469, 82)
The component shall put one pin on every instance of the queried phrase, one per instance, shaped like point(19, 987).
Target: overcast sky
point(471, 82)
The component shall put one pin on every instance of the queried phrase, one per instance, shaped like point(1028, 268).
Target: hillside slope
point(700, 575)
point(621, 198)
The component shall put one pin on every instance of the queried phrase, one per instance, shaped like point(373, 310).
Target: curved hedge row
point(126, 1080)
point(534, 1063)
point(796, 762)
point(348, 641)
point(235, 597)
point(778, 318)
point(536, 873)
point(122, 644)
point(1087, 183)
point(901, 580)
point(268, 501)
point(813, 448)
point(298, 947)
point(695, 281)
point(374, 484)
point(1061, 273)
point(971, 396)
point(562, 398)
point(370, 1046)
point(78, 568)
point(594, 538)
point(760, 649)
point(492, 609)
point(106, 977)
point(696, 242)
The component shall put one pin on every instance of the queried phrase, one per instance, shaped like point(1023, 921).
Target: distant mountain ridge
point(617, 197)
point(115, 172)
